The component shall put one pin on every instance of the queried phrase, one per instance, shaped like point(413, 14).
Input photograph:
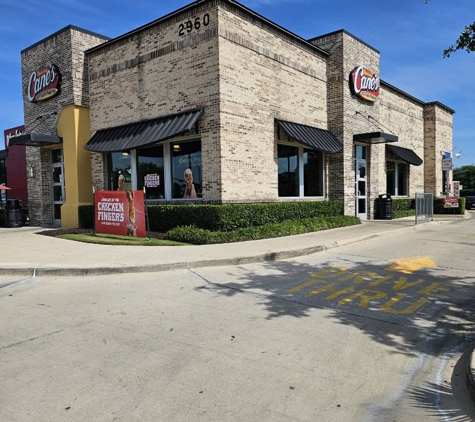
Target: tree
point(466, 176)
point(466, 41)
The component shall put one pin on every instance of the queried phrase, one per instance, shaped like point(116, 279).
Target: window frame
point(395, 180)
point(301, 175)
point(167, 170)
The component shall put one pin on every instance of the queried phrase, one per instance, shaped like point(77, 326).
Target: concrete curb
point(48, 270)
point(55, 270)
point(58, 270)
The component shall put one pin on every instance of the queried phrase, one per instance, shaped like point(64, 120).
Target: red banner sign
point(364, 84)
point(120, 212)
point(451, 202)
point(44, 84)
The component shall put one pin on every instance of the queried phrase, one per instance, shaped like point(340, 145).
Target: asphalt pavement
point(23, 252)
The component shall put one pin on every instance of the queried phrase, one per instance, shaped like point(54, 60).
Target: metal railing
point(424, 207)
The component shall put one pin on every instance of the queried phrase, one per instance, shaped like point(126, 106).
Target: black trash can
point(12, 213)
point(385, 207)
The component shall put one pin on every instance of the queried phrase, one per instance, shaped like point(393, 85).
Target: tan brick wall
point(346, 53)
point(244, 75)
point(438, 129)
point(156, 73)
point(262, 77)
point(405, 118)
point(65, 49)
point(424, 128)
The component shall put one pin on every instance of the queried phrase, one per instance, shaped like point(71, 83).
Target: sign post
point(446, 167)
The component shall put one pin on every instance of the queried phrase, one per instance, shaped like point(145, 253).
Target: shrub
point(227, 217)
point(404, 207)
point(440, 209)
point(86, 216)
point(199, 236)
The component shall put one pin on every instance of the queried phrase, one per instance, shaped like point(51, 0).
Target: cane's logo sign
point(44, 83)
point(364, 84)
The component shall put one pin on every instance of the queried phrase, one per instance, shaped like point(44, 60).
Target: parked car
point(470, 202)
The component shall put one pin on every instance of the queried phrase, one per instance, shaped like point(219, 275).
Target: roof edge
point(344, 31)
point(66, 28)
point(423, 103)
point(199, 2)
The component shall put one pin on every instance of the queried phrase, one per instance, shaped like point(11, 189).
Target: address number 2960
point(193, 24)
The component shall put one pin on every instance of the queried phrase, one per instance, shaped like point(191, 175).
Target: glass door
point(361, 183)
point(57, 184)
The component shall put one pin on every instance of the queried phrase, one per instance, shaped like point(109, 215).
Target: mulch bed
point(58, 232)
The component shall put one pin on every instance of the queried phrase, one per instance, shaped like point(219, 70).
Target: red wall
point(15, 164)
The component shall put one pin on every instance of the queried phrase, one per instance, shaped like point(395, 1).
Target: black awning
point(319, 139)
point(375, 138)
point(405, 154)
point(140, 134)
point(35, 140)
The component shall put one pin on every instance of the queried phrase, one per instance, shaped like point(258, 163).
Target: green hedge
point(407, 208)
point(200, 236)
point(439, 207)
point(231, 217)
point(404, 208)
point(225, 217)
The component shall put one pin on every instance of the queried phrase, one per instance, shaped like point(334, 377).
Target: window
point(360, 152)
point(170, 170)
point(119, 171)
point(151, 171)
point(186, 169)
point(397, 175)
point(300, 171)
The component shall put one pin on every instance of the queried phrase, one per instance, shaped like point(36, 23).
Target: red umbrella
point(4, 187)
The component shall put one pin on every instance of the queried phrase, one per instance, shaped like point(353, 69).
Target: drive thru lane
point(421, 284)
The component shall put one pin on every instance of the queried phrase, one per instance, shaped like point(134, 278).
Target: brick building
point(13, 168)
point(252, 111)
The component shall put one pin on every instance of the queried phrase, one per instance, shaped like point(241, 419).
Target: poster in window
point(120, 212)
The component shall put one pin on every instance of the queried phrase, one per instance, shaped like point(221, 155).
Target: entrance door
point(57, 184)
point(361, 183)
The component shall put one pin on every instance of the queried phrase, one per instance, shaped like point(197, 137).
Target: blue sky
point(410, 35)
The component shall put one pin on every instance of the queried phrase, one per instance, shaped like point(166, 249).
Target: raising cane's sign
point(364, 84)
point(44, 83)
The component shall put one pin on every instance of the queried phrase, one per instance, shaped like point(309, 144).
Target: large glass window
point(151, 171)
point(391, 177)
point(397, 176)
point(170, 170)
point(288, 170)
point(312, 173)
point(119, 171)
point(186, 169)
point(300, 171)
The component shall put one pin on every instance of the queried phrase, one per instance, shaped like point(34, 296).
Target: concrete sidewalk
point(23, 252)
